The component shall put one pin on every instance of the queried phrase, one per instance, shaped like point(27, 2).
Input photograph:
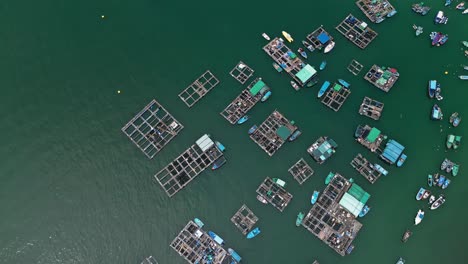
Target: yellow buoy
point(446, 72)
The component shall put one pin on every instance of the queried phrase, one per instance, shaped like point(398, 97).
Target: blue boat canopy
point(323, 38)
point(433, 84)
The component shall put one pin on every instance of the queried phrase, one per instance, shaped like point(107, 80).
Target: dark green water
point(74, 189)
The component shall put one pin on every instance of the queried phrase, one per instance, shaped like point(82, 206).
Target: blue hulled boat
point(323, 65)
point(314, 198)
point(432, 88)
point(243, 119)
point(344, 83)
point(295, 135)
point(430, 181)
point(364, 211)
point(252, 129)
point(198, 222)
point(323, 89)
point(420, 194)
point(216, 238)
point(446, 183)
point(253, 233)
point(219, 163)
point(401, 160)
point(220, 146)
point(436, 113)
point(266, 96)
point(234, 255)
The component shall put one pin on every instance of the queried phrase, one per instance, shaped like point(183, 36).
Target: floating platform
point(180, 172)
point(355, 67)
point(241, 72)
point(356, 31)
point(196, 246)
point(370, 137)
point(322, 149)
point(247, 99)
point(319, 38)
point(199, 88)
point(274, 194)
point(371, 108)
point(365, 168)
point(152, 129)
point(244, 219)
point(273, 132)
point(333, 217)
point(301, 171)
point(149, 260)
point(335, 96)
point(382, 77)
point(376, 10)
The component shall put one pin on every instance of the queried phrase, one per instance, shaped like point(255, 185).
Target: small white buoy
point(118, 91)
point(102, 16)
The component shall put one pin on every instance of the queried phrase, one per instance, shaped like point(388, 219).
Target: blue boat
point(381, 169)
point(234, 255)
point(420, 194)
point(253, 233)
point(349, 249)
point(219, 163)
point(302, 52)
point(266, 96)
point(323, 65)
point(344, 83)
point(252, 129)
point(430, 181)
point(216, 238)
point(364, 211)
point(198, 222)
point(295, 135)
point(441, 180)
point(314, 198)
point(323, 89)
point(446, 183)
point(220, 146)
point(243, 119)
point(401, 160)
point(436, 113)
point(432, 87)
point(448, 2)
point(392, 13)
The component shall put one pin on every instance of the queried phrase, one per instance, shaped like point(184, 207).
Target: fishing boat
point(419, 217)
point(444, 164)
point(436, 113)
point(198, 222)
point(440, 18)
point(277, 67)
point(455, 169)
point(349, 249)
point(392, 13)
point(287, 36)
point(323, 65)
point(453, 117)
point(442, 40)
point(465, 43)
point(279, 181)
point(243, 119)
point(401, 160)
point(450, 140)
point(446, 183)
point(299, 218)
point(431, 199)
point(465, 12)
point(400, 261)
point(440, 180)
point(329, 47)
point(449, 167)
point(308, 46)
point(329, 177)
point(463, 77)
point(323, 89)
point(220, 146)
point(420, 193)
point(460, 6)
point(302, 52)
point(265, 36)
point(234, 255)
point(440, 201)
point(426, 194)
point(448, 2)
point(406, 235)
point(381, 169)
point(420, 8)
point(344, 83)
point(295, 135)
point(430, 181)
point(457, 142)
point(219, 163)
point(295, 85)
point(465, 67)
point(253, 233)
point(314, 197)
point(265, 96)
point(435, 37)
point(312, 82)
point(364, 211)
point(418, 29)
point(262, 199)
point(431, 88)
point(216, 238)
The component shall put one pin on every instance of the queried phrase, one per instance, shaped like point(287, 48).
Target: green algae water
point(74, 189)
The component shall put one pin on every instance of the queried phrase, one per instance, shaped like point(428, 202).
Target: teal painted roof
point(306, 73)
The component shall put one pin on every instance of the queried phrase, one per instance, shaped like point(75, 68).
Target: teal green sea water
point(74, 189)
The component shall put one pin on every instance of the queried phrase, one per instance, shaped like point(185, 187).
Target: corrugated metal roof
point(204, 142)
point(351, 204)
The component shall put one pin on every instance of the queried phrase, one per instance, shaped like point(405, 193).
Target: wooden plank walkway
point(301, 171)
point(356, 31)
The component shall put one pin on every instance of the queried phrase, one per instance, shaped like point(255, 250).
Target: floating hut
point(180, 172)
point(274, 194)
point(198, 89)
point(370, 137)
point(244, 219)
point(356, 31)
point(366, 169)
point(355, 67)
point(322, 149)
point(335, 97)
point(319, 38)
point(376, 10)
point(241, 72)
point(371, 108)
point(382, 77)
point(301, 171)
point(152, 129)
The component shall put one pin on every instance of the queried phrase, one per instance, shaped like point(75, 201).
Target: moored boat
point(449, 167)
point(381, 169)
point(302, 52)
point(440, 180)
point(460, 6)
point(432, 199)
point(216, 238)
point(252, 129)
point(430, 181)
point(265, 36)
point(287, 36)
point(465, 12)
point(463, 77)
point(444, 164)
point(420, 193)
point(329, 47)
point(436, 113)
point(219, 163)
point(323, 65)
point(299, 218)
point(295, 85)
point(308, 46)
point(329, 177)
point(344, 83)
point(465, 43)
point(420, 8)
point(220, 146)
point(457, 142)
point(431, 88)
point(465, 67)
point(440, 18)
point(198, 222)
point(323, 89)
point(266, 96)
point(448, 2)
point(262, 199)
point(234, 255)
point(314, 197)
point(400, 261)
point(279, 181)
point(419, 30)
point(426, 194)
point(440, 201)
point(450, 140)
point(312, 82)
point(419, 217)
point(253, 233)
point(364, 211)
point(295, 135)
point(392, 13)
point(455, 169)
point(401, 160)
point(406, 235)
point(243, 119)
point(277, 67)
point(446, 183)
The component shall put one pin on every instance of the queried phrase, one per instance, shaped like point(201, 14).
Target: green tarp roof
point(357, 192)
point(373, 135)
point(306, 73)
point(337, 87)
point(283, 132)
point(257, 87)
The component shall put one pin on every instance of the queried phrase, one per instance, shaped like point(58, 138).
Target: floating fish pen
point(273, 132)
point(242, 72)
point(149, 260)
point(322, 149)
point(319, 38)
point(244, 219)
point(301, 171)
point(356, 31)
point(371, 108)
point(196, 246)
point(274, 194)
point(382, 77)
point(199, 88)
point(333, 217)
point(376, 10)
point(335, 97)
point(247, 99)
point(152, 129)
point(355, 67)
point(366, 169)
point(188, 165)
point(370, 137)
point(289, 61)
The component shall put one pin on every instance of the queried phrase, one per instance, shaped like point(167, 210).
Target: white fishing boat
point(265, 36)
point(419, 217)
point(329, 47)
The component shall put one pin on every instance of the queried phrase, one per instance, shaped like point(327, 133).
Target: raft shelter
point(356, 31)
point(274, 194)
point(366, 169)
point(319, 38)
point(335, 97)
point(382, 77)
point(247, 99)
point(371, 108)
point(301, 171)
point(370, 137)
point(376, 10)
point(241, 72)
point(244, 219)
point(322, 149)
point(152, 129)
point(198, 89)
point(186, 167)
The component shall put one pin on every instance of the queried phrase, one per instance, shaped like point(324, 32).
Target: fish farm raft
point(188, 165)
point(319, 38)
point(198, 89)
point(382, 77)
point(197, 246)
point(247, 99)
point(376, 10)
point(356, 31)
point(370, 137)
point(355, 67)
point(274, 194)
point(301, 171)
point(241, 72)
point(365, 168)
point(333, 217)
point(322, 149)
point(152, 129)
point(244, 219)
point(273, 132)
point(335, 97)
point(371, 108)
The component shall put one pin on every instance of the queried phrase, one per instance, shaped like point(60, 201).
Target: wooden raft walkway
point(375, 10)
point(355, 67)
point(335, 96)
point(244, 219)
point(356, 31)
point(365, 168)
point(274, 194)
point(241, 72)
point(301, 171)
point(371, 108)
point(199, 88)
point(152, 129)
